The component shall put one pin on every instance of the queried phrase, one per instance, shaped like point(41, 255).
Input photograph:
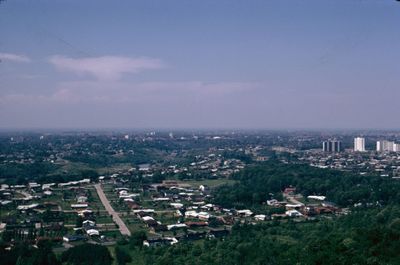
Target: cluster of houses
point(212, 165)
point(171, 210)
point(316, 205)
point(174, 211)
point(383, 164)
point(38, 208)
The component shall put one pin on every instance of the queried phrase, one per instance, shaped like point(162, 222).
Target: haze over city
point(205, 64)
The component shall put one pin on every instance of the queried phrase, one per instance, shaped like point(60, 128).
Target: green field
point(212, 183)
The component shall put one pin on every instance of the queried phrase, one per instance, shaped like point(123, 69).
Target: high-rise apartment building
point(359, 144)
point(396, 148)
point(331, 146)
point(385, 146)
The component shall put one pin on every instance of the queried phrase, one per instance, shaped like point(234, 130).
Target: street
point(122, 227)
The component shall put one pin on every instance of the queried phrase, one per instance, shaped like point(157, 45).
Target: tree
point(122, 256)
point(137, 238)
point(79, 221)
point(87, 254)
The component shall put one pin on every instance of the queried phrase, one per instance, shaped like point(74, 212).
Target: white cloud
point(14, 58)
point(105, 67)
point(115, 92)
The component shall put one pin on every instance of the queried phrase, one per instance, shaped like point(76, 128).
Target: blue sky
point(199, 64)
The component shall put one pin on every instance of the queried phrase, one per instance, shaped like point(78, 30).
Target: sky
point(282, 64)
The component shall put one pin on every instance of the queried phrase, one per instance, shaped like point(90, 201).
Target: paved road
point(122, 227)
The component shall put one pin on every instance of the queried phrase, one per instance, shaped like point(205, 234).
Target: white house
point(293, 213)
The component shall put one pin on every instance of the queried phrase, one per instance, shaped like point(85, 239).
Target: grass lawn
point(212, 183)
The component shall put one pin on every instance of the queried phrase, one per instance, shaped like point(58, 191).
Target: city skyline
point(153, 64)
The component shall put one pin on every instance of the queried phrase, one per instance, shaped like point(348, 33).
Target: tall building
point(396, 148)
point(359, 144)
point(331, 146)
point(385, 146)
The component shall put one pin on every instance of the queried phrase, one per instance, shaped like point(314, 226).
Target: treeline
point(85, 254)
point(140, 156)
point(260, 182)
point(25, 254)
point(21, 172)
point(18, 179)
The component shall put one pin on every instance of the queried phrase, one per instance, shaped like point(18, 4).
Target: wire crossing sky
point(200, 64)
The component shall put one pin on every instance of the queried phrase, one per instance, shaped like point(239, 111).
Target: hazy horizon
point(356, 131)
point(258, 65)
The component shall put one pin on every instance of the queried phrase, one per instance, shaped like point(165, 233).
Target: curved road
point(122, 227)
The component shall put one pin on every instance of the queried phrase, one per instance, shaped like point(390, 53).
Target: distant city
point(372, 154)
point(359, 145)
